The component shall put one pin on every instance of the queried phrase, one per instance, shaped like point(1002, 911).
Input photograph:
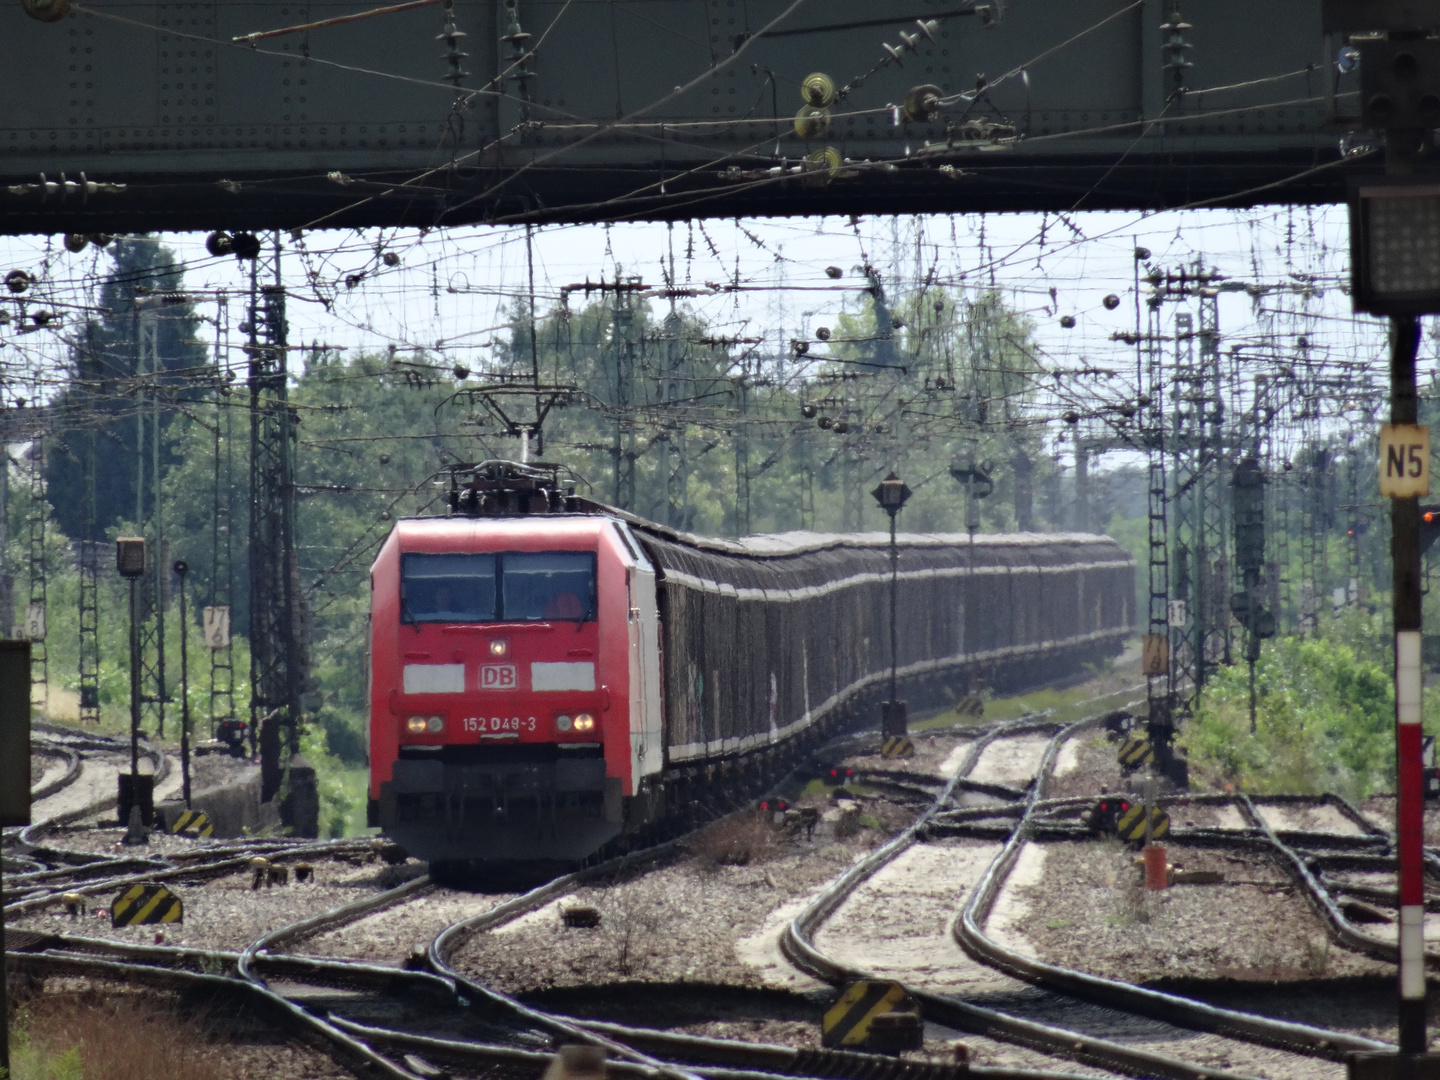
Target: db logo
point(498, 677)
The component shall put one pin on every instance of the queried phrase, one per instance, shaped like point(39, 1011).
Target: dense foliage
point(1325, 715)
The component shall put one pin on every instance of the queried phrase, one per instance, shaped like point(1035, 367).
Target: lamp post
point(130, 558)
point(181, 568)
point(892, 495)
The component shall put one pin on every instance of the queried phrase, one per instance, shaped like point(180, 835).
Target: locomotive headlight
point(435, 724)
point(499, 647)
point(415, 725)
point(563, 722)
point(584, 722)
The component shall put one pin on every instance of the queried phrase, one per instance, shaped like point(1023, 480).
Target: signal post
point(1395, 271)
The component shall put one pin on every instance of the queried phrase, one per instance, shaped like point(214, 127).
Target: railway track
point(1017, 826)
point(364, 1013)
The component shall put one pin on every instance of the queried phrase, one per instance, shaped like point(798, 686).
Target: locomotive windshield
point(540, 586)
point(448, 588)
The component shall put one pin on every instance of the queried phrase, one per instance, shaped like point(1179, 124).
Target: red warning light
point(1429, 517)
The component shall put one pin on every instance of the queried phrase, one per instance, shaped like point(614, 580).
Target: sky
point(450, 291)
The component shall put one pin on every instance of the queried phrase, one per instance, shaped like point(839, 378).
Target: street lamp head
point(892, 494)
point(181, 567)
point(130, 557)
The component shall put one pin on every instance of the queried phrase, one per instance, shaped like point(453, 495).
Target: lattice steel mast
point(277, 662)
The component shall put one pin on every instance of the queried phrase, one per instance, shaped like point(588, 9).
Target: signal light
point(499, 647)
point(584, 722)
point(419, 725)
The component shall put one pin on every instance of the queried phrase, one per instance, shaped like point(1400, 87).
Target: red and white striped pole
point(1410, 808)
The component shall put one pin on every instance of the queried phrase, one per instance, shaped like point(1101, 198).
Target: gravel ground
point(897, 924)
point(44, 768)
point(1209, 816)
point(1086, 765)
point(678, 922)
point(226, 913)
point(95, 782)
point(1011, 761)
point(107, 841)
point(389, 936)
point(1322, 818)
point(1380, 809)
point(1090, 913)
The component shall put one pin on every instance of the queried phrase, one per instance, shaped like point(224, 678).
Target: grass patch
point(1062, 706)
point(91, 1035)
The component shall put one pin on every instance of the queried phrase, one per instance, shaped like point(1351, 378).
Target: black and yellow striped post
point(1131, 824)
point(897, 746)
point(1136, 751)
point(192, 823)
point(848, 1022)
point(148, 902)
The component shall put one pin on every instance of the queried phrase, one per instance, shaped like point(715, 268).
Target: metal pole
point(1405, 552)
point(134, 691)
point(894, 585)
point(4, 994)
point(180, 569)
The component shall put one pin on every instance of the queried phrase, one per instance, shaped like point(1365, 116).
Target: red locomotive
point(550, 678)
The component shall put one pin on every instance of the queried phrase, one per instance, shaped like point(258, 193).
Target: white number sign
point(35, 621)
point(217, 626)
point(1404, 460)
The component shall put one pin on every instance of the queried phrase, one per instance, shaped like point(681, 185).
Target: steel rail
point(870, 1069)
point(798, 946)
point(788, 1061)
point(1340, 926)
point(65, 779)
point(1171, 1008)
point(200, 870)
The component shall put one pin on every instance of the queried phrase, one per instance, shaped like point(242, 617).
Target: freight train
point(552, 679)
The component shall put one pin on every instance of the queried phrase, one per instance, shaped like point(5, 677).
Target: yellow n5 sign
point(1404, 460)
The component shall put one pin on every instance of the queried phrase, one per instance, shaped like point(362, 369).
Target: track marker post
point(1395, 271)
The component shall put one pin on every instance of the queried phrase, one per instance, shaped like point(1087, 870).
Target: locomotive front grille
point(500, 801)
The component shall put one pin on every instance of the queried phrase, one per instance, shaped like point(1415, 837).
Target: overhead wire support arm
point(261, 35)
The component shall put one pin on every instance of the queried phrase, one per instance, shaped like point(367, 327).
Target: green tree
point(98, 410)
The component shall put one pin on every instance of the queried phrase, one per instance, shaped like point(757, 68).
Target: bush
point(1324, 717)
point(737, 840)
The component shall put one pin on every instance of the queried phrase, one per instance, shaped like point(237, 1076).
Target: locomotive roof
point(764, 545)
